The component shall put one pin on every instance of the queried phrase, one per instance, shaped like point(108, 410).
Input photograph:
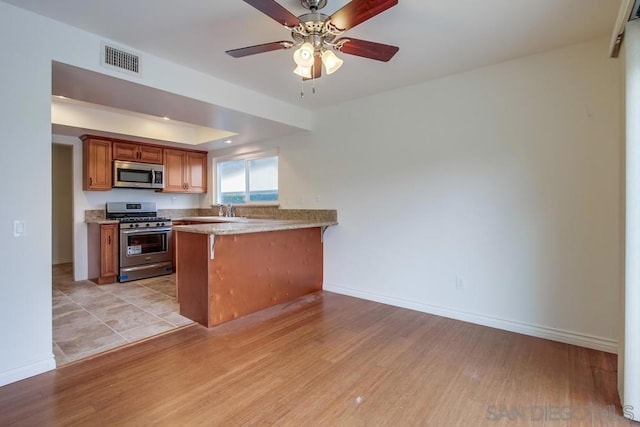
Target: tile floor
point(89, 318)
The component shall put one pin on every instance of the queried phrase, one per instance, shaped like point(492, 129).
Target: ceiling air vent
point(120, 59)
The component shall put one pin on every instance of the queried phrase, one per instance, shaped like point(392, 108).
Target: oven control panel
point(150, 224)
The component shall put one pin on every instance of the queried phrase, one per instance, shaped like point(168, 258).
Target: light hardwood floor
point(327, 360)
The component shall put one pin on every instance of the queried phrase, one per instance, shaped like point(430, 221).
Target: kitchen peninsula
point(229, 267)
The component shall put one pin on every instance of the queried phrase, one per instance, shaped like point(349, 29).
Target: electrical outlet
point(19, 228)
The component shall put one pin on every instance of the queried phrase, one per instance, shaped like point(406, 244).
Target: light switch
point(19, 228)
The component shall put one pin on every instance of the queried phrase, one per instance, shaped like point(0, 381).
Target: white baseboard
point(567, 337)
point(24, 372)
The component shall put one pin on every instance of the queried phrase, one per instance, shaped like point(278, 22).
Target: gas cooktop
point(142, 219)
point(136, 214)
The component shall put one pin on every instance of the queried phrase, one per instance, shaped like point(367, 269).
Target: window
point(248, 179)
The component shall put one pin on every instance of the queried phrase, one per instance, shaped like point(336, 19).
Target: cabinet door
point(125, 151)
point(174, 171)
point(108, 253)
point(137, 152)
point(97, 165)
point(150, 154)
point(196, 172)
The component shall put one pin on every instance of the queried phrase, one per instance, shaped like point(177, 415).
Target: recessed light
point(166, 118)
point(228, 141)
point(60, 96)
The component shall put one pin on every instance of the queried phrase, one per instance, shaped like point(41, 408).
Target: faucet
point(230, 212)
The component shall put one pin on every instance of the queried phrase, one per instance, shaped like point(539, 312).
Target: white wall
point(25, 166)
point(62, 204)
point(629, 357)
point(25, 306)
point(507, 177)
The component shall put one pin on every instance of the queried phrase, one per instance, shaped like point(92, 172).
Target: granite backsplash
point(258, 212)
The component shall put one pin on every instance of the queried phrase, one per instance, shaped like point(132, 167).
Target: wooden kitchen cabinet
point(185, 171)
point(96, 164)
point(248, 272)
point(141, 153)
point(196, 172)
point(173, 241)
point(103, 253)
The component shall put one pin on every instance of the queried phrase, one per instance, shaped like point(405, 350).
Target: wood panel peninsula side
point(225, 270)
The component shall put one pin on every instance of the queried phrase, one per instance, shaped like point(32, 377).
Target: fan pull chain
point(313, 82)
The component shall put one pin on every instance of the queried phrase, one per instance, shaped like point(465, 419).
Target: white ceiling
point(96, 91)
point(436, 38)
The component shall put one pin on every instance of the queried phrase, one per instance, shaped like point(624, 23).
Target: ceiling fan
point(316, 34)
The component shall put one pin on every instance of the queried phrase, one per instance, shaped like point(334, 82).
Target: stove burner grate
point(143, 219)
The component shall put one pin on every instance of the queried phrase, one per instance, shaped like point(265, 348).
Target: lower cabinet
point(103, 253)
point(173, 241)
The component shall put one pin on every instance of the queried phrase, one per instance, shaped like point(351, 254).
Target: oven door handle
point(146, 230)
point(144, 267)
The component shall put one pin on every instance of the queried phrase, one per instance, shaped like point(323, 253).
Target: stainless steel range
point(145, 240)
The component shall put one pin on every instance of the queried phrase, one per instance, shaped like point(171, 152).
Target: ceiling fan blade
point(316, 70)
point(359, 11)
point(366, 49)
point(259, 48)
point(275, 11)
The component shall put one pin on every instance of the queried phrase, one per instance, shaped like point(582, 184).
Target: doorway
point(62, 204)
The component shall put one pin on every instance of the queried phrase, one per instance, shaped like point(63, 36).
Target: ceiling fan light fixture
point(315, 35)
point(303, 56)
point(331, 62)
point(303, 71)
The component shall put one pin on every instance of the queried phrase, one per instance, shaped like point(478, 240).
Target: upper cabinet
point(185, 171)
point(141, 153)
point(196, 172)
point(96, 164)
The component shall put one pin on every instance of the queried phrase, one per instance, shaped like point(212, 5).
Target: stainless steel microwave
point(137, 175)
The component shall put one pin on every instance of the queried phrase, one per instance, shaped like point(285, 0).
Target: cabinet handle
point(90, 181)
point(108, 240)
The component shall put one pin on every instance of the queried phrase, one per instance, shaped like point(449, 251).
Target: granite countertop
point(218, 225)
point(102, 221)
point(247, 225)
point(97, 216)
point(218, 219)
point(188, 218)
